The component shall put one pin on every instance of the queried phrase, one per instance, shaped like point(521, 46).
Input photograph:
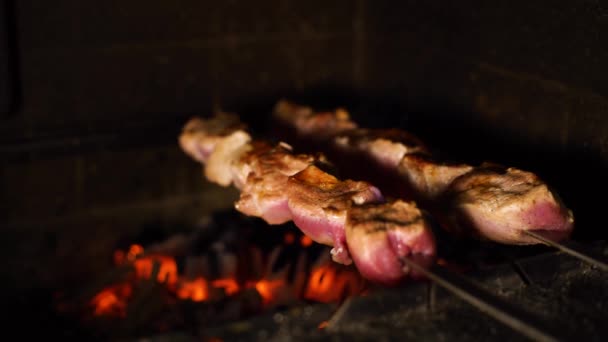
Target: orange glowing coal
point(120, 257)
point(195, 290)
point(305, 241)
point(268, 289)
point(112, 301)
point(167, 268)
point(289, 238)
point(134, 251)
point(326, 284)
point(229, 285)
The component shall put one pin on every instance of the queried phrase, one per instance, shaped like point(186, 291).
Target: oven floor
point(570, 296)
point(567, 295)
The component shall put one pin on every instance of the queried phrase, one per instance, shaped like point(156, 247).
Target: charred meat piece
point(380, 235)
point(263, 191)
point(319, 203)
point(501, 203)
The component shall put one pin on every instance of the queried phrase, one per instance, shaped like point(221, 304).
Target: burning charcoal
point(227, 263)
point(272, 260)
point(112, 300)
point(149, 301)
point(329, 282)
point(300, 275)
point(196, 289)
point(276, 292)
point(167, 268)
point(251, 263)
point(107, 280)
point(196, 266)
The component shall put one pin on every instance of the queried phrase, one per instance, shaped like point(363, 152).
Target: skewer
point(514, 317)
point(571, 250)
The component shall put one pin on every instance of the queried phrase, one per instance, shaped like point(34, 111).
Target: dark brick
point(557, 41)
point(87, 85)
point(276, 68)
point(73, 23)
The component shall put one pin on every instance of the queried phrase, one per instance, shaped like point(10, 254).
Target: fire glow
point(112, 300)
point(324, 282)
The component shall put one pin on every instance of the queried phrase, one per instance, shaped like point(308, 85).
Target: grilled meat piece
point(385, 233)
point(199, 136)
point(319, 203)
point(501, 203)
point(226, 156)
point(321, 125)
point(426, 178)
point(277, 185)
point(263, 191)
point(386, 146)
point(477, 200)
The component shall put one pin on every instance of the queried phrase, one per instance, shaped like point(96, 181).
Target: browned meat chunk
point(277, 186)
point(500, 204)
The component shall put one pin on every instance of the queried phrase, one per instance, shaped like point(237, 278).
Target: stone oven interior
point(93, 96)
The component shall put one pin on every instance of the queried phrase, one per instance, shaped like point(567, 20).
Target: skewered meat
point(387, 146)
point(502, 203)
point(278, 185)
point(319, 203)
point(375, 229)
point(496, 203)
point(263, 187)
point(323, 125)
point(427, 178)
point(198, 137)
point(226, 153)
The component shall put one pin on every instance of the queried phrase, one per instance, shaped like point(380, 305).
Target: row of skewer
point(510, 315)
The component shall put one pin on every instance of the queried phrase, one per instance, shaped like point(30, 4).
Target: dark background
point(93, 95)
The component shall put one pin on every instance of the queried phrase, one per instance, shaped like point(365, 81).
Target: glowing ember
point(268, 289)
point(326, 284)
point(134, 251)
point(167, 271)
point(323, 325)
point(289, 238)
point(229, 285)
point(305, 241)
point(112, 301)
point(195, 290)
point(120, 257)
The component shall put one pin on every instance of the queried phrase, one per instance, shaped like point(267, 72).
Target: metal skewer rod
point(512, 316)
point(571, 250)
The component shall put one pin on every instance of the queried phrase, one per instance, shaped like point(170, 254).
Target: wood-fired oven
point(110, 231)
